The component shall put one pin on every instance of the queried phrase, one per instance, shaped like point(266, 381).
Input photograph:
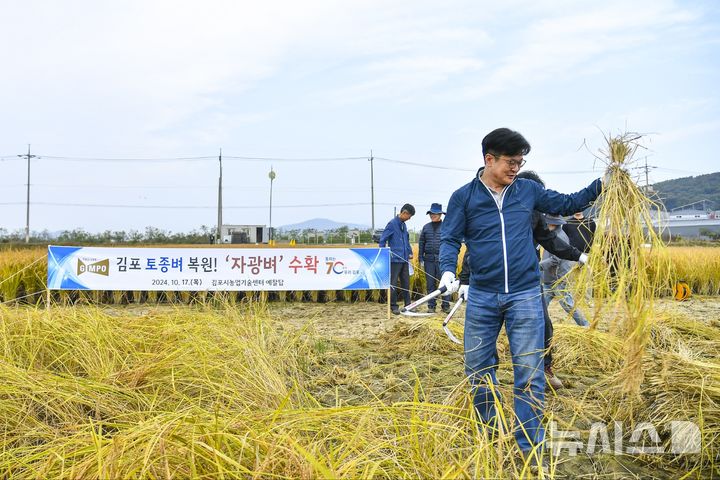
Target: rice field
point(327, 385)
point(23, 274)
point(334, 390)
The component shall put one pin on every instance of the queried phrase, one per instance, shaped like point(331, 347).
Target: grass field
point(23, 273)
point(191, 385)
point(292, 390)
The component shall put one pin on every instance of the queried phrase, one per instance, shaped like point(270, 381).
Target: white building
point(245, 234)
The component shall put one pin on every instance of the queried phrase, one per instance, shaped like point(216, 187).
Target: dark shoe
point(431, 309)
point(552, 380)
point(396, 311)
point(446, 309)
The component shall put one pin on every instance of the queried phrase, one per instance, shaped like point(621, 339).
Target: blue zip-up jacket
point(499, 238)
point(397, 238)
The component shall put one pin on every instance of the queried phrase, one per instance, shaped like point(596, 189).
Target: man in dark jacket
point(429, 254)
point(545, 237)
point(397, 238)
point(492, 214)
point(554, 269)
point(580, 231)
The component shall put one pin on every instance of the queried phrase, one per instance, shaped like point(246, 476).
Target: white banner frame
point(217, 269)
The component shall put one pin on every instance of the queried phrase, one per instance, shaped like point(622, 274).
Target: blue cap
point(435, 209)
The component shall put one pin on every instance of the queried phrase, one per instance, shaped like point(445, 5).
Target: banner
point(96, 268)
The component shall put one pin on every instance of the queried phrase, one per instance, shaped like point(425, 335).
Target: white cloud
point(560, 45)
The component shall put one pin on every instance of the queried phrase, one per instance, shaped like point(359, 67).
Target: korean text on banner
point(91, 268)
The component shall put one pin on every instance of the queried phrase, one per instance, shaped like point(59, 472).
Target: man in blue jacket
point(429, 255)
point(396, 237)
point(492, 214)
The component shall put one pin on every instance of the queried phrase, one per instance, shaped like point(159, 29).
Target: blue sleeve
point(452, 232)
point(421, 244)
point(387, 233)
point(550, 201)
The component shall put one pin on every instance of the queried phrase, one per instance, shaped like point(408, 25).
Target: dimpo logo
point(101, 267)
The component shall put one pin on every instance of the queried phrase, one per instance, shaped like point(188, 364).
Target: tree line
point(202, 235)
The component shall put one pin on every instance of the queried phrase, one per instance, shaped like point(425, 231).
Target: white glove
point(463, 292)
point(583, 259)
point(606, 177)
point(448, 280)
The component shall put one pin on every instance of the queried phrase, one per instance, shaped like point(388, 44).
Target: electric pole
point(372, 191)
point(646, 168)
point(271, 176)
point(219, 221)
point(27, 205)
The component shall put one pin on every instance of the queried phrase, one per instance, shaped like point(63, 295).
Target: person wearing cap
point(397, 238)
point(554, 270)
point(492, 214)
point(429, 255)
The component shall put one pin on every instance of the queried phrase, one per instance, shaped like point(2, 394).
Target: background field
point(240, 387)
point(23, 274)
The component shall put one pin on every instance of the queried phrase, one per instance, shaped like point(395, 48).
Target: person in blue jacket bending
point(492, 214)
point(397, 238)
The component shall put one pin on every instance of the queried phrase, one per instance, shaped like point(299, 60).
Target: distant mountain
point(321, 225)
point(683, 191)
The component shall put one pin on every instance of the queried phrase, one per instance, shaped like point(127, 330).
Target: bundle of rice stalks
point(687, 389)
point(619, 268)
point(208, 394)
point(418, 336)
point(593, 351)
point(685, 336)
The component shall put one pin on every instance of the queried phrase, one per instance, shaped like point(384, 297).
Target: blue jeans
point(566, 300)
point(522, 313)
point(432, 278)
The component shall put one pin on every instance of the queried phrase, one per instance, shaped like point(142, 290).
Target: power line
point(204, 187)
point(426, 165)
point(194, 207)
point(309, 159)
point(440, 167)
point(284, 159)
point(108, 159)
point(681, 171)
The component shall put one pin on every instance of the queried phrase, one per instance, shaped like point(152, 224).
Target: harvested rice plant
point(307, 390)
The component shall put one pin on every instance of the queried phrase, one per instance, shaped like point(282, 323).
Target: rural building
point(245, 234)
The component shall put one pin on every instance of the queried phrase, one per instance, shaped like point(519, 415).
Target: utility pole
point(646, 168)
point(372, 191)
point(271, 176)
point(220, 220)
point(27, 205)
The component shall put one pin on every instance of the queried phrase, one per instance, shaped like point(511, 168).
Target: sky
point(128, 105)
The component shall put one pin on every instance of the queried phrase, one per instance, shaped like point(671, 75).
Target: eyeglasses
point(511, 162)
